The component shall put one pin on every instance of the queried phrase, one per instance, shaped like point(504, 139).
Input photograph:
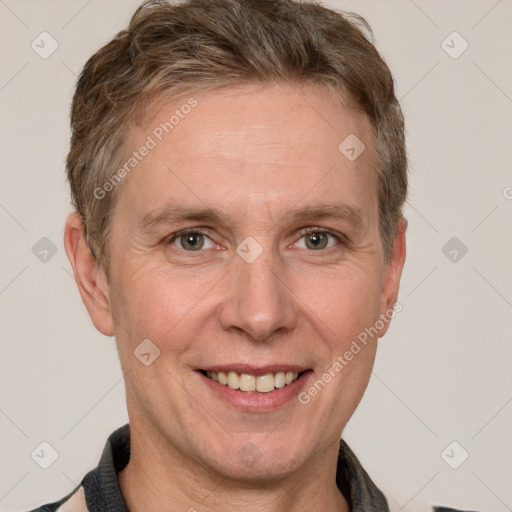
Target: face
point(245, 289)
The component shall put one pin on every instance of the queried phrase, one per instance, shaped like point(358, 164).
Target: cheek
point(153, 302)
point(168, 305)
point(346, 301)
point(342, 315)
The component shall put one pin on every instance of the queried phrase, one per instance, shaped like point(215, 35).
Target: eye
point(318, 239)
point(191, 240)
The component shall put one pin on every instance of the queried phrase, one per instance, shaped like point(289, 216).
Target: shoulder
point(72, 502)
point(440, 508)
point(100, 486)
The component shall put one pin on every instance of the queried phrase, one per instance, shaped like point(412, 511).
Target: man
point(238, 171)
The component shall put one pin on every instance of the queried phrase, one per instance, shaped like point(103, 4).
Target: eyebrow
point(172, 214)
point(335, 211)
point(176, 213)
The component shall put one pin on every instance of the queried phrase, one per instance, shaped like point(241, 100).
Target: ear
point(89, 277)
point(392, 274)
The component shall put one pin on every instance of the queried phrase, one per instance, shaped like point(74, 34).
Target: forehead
point(252, 146)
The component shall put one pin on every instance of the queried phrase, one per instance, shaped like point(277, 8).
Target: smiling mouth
point(257, 383)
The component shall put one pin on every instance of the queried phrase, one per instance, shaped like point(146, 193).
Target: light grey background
point(442, 372)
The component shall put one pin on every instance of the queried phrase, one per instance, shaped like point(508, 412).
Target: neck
point(160, 478)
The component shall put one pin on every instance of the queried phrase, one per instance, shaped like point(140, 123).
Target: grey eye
point(317, 240)
point(192, 241)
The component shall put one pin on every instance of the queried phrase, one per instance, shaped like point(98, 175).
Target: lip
point(253, 401)
point(256, 370)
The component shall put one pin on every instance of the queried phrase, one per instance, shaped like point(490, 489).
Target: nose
point(258, 300)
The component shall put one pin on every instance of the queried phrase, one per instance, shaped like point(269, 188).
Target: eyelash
point(341, 239)
point(306, 231)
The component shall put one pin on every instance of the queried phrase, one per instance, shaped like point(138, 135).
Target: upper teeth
point(246, 382)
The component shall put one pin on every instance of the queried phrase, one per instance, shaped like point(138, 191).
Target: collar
point(102, 489)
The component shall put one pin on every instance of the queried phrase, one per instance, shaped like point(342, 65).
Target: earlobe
point(90, 278)
point(392, 275)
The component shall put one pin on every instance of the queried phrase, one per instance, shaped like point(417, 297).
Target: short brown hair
point(171, 49)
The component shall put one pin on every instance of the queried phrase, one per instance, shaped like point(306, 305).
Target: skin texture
point(255, 153)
